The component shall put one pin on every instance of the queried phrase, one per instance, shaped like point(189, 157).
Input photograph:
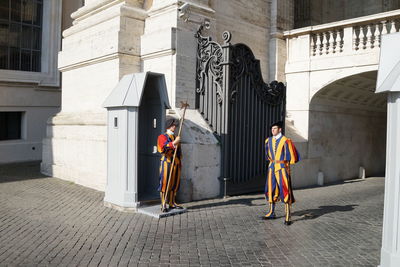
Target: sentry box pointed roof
point(389, 64)
point(129, 90)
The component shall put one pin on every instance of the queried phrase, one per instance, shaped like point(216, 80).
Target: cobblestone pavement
point(50, 222)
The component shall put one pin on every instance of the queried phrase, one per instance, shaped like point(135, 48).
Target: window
point(46, 16)
point(10, 125)
point(21, 34)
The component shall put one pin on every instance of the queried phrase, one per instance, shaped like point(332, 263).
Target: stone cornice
point(163, 53)
point(78, 118)
point(115, 8)
point(98, 6)
point(28, 84)
point(202, 8)
point(173, 5)
point(155, 11)
point(278, 35)
point(133, 12)
point(85, 11)
point(92, 61)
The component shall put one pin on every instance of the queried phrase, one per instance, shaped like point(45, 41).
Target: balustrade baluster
point(392, 27)
point(319, 44)
point(336, 43)
point(314, 44)
point(376, 36)
point(341, 39)
point(331, 44)
point(325, 44)
point(384, 27)
point(362, 38)
point(368, 39)
point(383, 31)
point(356, 39)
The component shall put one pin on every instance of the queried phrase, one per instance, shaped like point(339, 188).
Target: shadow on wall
point(74, 148)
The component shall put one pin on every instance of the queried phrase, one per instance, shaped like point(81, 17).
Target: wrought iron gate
point(239, 107)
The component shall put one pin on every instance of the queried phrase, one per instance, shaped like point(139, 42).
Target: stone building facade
point(332, 113)
point(29, 79)
point(109, 39)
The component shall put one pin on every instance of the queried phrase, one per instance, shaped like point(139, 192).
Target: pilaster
point(102, 45)
point(282, 19)
point(390, 252)
point(169, 46)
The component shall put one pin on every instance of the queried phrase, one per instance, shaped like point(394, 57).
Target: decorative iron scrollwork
point(237, 104)
point(226, 36)
point(245, 64)
point(209, 59)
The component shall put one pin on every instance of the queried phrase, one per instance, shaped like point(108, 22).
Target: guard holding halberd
point(281, 153)
point(167, 144)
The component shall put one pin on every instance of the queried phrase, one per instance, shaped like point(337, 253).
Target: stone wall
point(314, 12)
point(108, 39)
point(340, 141)
point(37, 105)
point(102, 45)
point(35, 94)
point(331, 105)
point(169, 46)
point(282, 19)
point(251, 28)
point(249, 22)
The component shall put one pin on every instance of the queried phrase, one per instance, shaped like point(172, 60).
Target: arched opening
point(347, 128)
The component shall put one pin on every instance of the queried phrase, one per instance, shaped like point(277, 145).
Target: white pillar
point(388, 81)
point(390, 252)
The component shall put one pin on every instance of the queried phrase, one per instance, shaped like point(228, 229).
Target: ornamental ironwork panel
point(254, 106)
point(238, 105)
point(209, 86)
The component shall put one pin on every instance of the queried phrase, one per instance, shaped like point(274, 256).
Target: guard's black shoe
point(164, 209)
point(270, 216)
point(176, 207)
point(288, 223)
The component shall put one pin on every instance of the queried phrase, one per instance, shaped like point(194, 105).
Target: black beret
point(277, 123)
point(171, 122)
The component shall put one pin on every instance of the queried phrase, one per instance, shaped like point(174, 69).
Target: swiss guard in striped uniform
point(167, 143)
point(281, 153)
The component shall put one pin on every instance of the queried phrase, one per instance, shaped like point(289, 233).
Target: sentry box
point(136, 116)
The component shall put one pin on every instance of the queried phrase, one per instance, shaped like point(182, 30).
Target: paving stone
point(50, 222)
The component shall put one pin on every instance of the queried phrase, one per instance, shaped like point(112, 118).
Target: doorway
point(150, 127)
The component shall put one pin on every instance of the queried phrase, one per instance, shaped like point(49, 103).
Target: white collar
point(278, 136)
point(170, 132)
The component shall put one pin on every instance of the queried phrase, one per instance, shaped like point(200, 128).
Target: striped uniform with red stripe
point(280, 153)
point(167, 148)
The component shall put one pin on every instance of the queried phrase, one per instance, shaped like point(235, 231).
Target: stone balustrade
point(328, 42)
point(347, 36)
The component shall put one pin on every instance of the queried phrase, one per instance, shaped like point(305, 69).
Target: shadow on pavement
point(310, 214)
point(20, 172)
point(236, 201)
